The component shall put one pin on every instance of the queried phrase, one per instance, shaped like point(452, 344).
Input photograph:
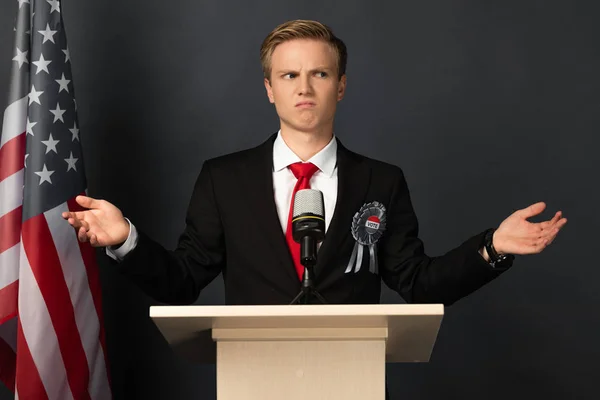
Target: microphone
point(308, 224)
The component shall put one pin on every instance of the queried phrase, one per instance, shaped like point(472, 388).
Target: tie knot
point(303, 170)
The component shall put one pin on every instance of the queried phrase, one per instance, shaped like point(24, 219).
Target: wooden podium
point(301, 351)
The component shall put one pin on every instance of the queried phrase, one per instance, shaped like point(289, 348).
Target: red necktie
point(303, 172)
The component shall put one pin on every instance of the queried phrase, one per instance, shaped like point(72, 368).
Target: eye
point(289, 75)
point(321, 74)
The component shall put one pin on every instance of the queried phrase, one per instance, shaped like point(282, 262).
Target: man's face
point(304, 84)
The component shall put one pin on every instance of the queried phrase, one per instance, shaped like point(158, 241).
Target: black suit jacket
point(232, 227)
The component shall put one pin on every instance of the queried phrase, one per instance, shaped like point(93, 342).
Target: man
point(238, 220)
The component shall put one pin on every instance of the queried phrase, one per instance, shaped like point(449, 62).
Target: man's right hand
point(102, 224)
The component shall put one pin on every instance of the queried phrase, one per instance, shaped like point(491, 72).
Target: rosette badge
point(368, 226)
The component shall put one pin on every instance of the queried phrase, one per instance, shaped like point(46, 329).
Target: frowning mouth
point(305, 104)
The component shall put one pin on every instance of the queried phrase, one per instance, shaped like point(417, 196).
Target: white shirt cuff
point(119, 254)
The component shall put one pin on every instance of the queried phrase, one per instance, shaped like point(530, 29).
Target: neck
point(306, 144)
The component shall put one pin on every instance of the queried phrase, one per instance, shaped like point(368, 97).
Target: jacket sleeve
point(417, 277)
point(177, 276)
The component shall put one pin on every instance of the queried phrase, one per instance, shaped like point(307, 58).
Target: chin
point(308, 128)
point(307, 125)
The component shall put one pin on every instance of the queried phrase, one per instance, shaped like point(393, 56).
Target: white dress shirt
point(325, 180)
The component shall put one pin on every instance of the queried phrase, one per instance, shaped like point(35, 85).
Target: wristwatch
point(496, 260)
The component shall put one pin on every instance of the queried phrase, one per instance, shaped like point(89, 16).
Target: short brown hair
point(301, 29)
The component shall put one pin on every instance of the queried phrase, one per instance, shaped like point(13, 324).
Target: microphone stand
point(308, 291)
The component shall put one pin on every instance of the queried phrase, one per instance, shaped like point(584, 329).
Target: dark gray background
point(488, 106)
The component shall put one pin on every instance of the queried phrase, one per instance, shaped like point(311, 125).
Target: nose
point(304, 85)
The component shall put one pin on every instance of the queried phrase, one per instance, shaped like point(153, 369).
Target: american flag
point(51, 326)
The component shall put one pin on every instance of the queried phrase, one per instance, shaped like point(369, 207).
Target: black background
point(488, 106)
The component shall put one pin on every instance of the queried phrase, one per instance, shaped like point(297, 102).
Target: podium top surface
point(323, 310)
point(411, 328)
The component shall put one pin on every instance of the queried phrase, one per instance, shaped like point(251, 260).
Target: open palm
point(102, 224)
point(517, 235)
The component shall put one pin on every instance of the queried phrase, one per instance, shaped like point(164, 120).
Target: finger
point(93, 240)
point(78, 219)
point(533, 210)
point(556, 230)
point(554, 220)
point(75, 223)
point(557, 217)
point(87, 202)
point(539, 245)
point(82, 235)
point(85, 225)
point(81, 215)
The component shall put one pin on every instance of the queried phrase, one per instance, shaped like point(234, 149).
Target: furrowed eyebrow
point(318, 69)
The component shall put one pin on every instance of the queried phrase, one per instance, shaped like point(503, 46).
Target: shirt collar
point(325, 159)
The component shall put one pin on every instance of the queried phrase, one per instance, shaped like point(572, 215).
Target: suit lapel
point(353, 182)
point(258, 176)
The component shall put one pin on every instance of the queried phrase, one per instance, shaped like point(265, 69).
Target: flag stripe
point(46, 267)
point(12, 157)
point(100, 375)
point(15, 120)
point(10, 226)
point(8, 302)
point(8, 360)
point(9, 259)
point(40, 337)
point(29, 382)
point(89, 258)
point(11, 193)
point(69, 254)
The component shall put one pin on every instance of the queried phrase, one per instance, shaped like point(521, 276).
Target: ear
point(341, 87)
point(269, 91)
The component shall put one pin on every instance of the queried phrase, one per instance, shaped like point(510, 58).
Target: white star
point(42, 65)
point(50, 144)
point(71, 161)
point(55, 5)
point(67, 54)
point(30, 126)
point(58, 113)
point(75, 132)
point(25, 161)
point(44, 174)
point(21, 57)
point(34, 96)
point(48, 34)
point(21, 2)
point(64, 84)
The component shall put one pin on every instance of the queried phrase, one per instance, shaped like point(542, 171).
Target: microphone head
point(309, 201)
point(308, 215)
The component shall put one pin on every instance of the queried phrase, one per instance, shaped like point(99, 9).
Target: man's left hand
point(516, 235)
